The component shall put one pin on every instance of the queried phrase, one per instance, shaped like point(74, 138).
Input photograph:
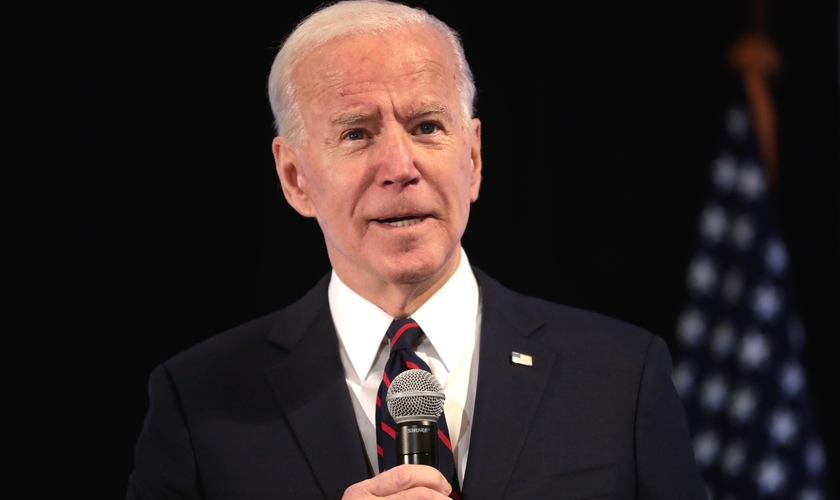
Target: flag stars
point(766, 301)
point(783, 427)
point(754, 350)
point(713, 223)
point(814, 458)
point(714, 393)
point(791, 379)
point(742, 232)
point(771, 476)
point(743, 405)
point(702, 275)
point(751, 185)
point(692, 327)
point(683, 378)
point(733, 286)
point(725, 172)
point(737, 123)
point(740, 372)
point(723, 340)
point(706, 448)
point(775, 256)
point(734, 458)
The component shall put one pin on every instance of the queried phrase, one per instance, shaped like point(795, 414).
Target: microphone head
point(415, 395)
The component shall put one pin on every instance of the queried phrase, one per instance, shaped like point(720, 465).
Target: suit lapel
point(310, 386)
point(507, 395)
point(308, 381)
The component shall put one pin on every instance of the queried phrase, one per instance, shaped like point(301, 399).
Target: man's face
point(390, 165)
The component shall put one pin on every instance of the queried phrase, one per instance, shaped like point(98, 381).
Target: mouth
point(401, 221)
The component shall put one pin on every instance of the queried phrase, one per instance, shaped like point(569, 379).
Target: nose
point(394, 159)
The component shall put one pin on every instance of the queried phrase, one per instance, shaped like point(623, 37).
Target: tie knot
point(403, 334)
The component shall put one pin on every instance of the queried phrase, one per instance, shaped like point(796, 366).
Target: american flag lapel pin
point(518, 358)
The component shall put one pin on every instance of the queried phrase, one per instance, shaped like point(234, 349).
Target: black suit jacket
point(263, 411)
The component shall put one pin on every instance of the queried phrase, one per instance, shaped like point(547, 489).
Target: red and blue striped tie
point(403, 335)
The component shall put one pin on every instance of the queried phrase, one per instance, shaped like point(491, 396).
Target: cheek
point(337, 200)
point(325, 186)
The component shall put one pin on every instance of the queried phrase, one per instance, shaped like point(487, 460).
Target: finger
point(355, 493)
point(419, 494)
point(406, 477)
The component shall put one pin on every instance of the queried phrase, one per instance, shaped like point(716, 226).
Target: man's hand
point(404, 481)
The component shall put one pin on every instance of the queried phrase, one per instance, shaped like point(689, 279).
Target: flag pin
point(518, 358)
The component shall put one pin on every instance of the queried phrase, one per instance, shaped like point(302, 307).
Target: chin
point(410, 276)
point(413, 269)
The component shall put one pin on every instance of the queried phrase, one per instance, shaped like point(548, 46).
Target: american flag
point(739, 371)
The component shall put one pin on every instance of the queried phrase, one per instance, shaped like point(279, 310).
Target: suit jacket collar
point(310, 386)
point(507, 395)
point(309, 383)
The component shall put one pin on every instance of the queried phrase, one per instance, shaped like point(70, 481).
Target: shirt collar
point(447, 318)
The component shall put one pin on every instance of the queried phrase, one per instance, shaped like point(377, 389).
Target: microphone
point(415, 400)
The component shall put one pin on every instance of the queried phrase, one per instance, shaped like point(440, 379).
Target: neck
point(401, 299)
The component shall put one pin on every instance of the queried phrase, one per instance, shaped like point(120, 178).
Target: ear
point(292, 179)
point(475, 159)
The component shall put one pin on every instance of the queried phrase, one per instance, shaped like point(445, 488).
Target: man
point(377, 142)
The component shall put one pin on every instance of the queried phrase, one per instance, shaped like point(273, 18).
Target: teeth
point(404, 222)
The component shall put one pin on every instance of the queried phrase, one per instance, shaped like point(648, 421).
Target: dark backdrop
point(151, 217)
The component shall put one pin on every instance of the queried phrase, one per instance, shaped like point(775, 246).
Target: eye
point(356, 135)
point(428, 128)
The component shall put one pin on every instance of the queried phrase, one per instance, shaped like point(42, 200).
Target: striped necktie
point(403, 335)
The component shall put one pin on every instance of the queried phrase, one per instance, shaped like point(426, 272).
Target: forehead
point(408, 64)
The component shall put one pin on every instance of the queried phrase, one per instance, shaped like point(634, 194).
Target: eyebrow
point(430, 109)
point(351, 118)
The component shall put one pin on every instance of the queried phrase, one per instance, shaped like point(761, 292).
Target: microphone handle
point(417, 443)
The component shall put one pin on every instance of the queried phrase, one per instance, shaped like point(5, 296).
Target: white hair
point(343, 19)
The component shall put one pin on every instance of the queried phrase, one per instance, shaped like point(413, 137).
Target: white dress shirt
point(451, 320)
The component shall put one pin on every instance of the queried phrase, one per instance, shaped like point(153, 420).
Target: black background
point(143, 188)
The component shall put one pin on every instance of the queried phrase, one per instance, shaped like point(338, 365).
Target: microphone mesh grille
point(429, 401)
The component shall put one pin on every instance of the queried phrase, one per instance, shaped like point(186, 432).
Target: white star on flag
point(766, 301)
point(751, 182)
point(725, 173)
point(683, 377)
point(702, 275)
point(775, 256)
point(733, 458)
point(715, 393)
point(771, 475)
point(723, 340)
point(742, 232)
point(792, 379)
point(754, 350)
point(743, 405)
point(706, 447)
point(713, 223)
point(783, 427)
point(738, 368)
point(692, 327)
point(733, 285)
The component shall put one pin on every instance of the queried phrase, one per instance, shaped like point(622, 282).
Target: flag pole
point(757, 60)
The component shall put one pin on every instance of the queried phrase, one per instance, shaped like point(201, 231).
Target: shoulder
point(553, 323)
point(586, 332)
point(255, 343)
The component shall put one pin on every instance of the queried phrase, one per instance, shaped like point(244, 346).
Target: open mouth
point(400, 221)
